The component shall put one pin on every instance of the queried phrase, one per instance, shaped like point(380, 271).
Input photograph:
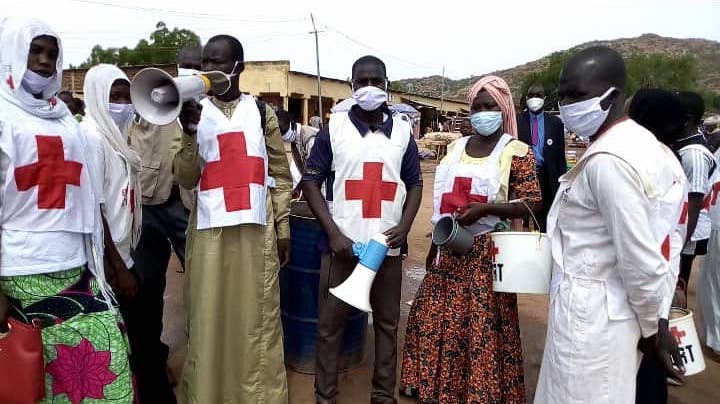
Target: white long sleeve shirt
point(614, 229)
point(612, 218)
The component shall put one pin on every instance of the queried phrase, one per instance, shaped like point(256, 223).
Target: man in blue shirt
point(546, 134)
point(368, 159)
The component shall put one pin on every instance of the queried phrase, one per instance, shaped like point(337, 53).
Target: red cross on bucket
point(234, 171)
point(460, 196)
point(677, 334)
point(495, 251)
point(371, 190)
point(51, 173)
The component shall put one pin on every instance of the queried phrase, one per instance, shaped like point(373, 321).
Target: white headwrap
point(98, 83)
point(16, 34)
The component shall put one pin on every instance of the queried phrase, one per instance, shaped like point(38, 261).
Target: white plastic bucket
point(522, 262)
point(682, 327)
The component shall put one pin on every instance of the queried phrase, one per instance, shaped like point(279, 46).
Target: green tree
point(660, 71)
point(161, 48)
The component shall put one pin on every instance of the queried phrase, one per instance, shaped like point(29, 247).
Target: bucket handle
point(522, 200)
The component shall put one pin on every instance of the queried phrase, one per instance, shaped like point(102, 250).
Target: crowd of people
point(95, 198)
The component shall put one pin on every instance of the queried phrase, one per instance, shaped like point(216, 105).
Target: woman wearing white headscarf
point(105, 127)
point(51, 244)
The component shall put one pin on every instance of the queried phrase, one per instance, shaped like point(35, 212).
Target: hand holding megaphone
point(190, 116)
point(159, 97)
point(355, 291)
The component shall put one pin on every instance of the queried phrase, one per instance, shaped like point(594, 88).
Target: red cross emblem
point(714, 192)
point(234, 171)
point(51, 173)
point(677, 334)
point(684, 214)
point(10, 83)
point(132, 201)
point(665, 248)
point(371, 190)
point(460, 196)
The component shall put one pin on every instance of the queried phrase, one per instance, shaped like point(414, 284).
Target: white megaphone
point(158, 97)
point(355, 291)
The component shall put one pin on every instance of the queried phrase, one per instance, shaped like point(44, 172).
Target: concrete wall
point(275, 83)
point(265, 77)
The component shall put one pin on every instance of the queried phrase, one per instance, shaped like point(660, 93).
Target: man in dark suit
point(546, 134)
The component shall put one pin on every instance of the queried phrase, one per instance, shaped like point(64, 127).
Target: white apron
point(703, 227)
point(368, 191)
point(708, 282)
point(458, 184)
point(47, 186)
point(234, 166)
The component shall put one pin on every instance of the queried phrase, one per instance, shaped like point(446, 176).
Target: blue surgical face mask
point(486, 123)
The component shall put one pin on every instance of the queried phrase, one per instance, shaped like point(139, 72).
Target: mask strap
point(232, 73)
point(607, 93)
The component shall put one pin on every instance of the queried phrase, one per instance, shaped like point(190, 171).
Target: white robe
point(708, 282)
point(610, 278)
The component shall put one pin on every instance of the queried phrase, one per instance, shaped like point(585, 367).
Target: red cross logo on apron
point(711, 199)
point(51, 173)
point(371, 190)
point(234, 171)
point(665, 248)
point(132, 201)
point(684, 214)
point(460, 196)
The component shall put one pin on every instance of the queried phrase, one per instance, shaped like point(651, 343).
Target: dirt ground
point(355, 384)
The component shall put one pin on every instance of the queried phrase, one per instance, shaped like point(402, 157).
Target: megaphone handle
point(358, 249)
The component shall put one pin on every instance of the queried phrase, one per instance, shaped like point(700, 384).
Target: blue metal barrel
point(299, 289)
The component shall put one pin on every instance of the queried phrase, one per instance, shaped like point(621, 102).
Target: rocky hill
point(706, 52)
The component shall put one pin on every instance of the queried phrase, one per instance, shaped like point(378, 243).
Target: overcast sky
point(414, 38)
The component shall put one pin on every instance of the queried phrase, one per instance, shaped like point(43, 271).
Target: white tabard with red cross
point(47, 184)
point(457, 184)
point(234, 170)
point(368, 192)
point(712, 201)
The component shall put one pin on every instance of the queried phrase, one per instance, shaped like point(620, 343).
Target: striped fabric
point(697, 167)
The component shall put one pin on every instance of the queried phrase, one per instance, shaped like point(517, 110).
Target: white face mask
point(35, 83)
point(370, 98)
point(535, 104)
point(291, 135)
point(122, 114)
point(584, 118)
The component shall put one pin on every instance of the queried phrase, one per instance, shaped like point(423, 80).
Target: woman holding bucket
point(463, 340)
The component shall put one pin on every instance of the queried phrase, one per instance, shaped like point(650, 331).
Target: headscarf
point(500, 92)
point(16, 34)
point(98, 82)
point(315, 122)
